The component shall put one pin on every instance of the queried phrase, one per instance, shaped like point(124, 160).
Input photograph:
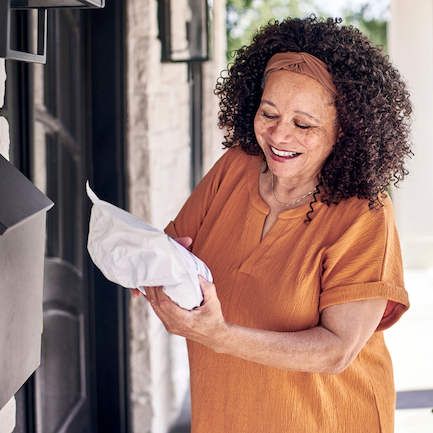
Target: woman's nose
point(280, 132)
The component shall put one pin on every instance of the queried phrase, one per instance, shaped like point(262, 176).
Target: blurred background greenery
point(244, 17)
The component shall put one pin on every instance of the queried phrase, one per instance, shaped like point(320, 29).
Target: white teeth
point(283, 153)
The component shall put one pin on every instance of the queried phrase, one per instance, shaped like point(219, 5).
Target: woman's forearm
point(329, 347)
point(315, 350)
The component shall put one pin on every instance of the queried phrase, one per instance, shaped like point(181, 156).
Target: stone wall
point(159, 184)
point(7, 414)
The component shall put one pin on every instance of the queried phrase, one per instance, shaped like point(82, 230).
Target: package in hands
point(132, 253)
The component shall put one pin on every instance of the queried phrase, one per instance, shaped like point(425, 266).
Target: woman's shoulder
point(353, 225)
point(360, 211)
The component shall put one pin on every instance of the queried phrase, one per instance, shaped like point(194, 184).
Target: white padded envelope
point(132, 253)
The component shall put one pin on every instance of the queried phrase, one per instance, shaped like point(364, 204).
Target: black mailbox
point(23, 210)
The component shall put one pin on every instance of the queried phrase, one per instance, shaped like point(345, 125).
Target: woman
point(295, 223)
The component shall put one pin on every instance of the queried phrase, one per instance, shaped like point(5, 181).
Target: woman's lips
point(283, 153)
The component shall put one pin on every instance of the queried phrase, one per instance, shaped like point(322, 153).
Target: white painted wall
point(7, 414)
point(410, 39)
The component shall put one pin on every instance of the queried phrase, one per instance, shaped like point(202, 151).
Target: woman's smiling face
point(296, 126)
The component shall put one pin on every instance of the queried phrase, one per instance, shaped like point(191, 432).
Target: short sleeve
point(365, 262)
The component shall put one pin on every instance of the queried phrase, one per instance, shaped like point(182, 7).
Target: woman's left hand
point(204, 324)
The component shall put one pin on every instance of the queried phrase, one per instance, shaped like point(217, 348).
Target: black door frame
point(106, 66)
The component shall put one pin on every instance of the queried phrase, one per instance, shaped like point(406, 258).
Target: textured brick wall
point(139, 57)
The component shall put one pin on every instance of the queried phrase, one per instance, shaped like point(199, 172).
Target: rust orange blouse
point(282, 283)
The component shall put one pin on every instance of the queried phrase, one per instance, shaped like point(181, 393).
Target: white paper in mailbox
point(132, 253)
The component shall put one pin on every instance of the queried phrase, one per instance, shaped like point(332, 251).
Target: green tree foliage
point(244, 17)
point(374, 28)
point(235, 10)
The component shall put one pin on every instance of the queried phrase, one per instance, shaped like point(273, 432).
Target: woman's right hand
point(185, 242)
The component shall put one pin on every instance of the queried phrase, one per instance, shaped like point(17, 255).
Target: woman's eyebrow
point(265, 101)
point(307, 114)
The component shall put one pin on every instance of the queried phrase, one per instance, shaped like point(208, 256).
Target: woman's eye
point(302, 126)
point(268, 116)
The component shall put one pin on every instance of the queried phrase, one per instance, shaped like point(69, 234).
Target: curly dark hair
point(373, 105)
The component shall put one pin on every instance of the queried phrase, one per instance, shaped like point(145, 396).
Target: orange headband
point(302, 63)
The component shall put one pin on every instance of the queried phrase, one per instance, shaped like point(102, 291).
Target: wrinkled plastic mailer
point(132, 253)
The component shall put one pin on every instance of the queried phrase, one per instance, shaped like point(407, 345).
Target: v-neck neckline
point(253, 174)
point(255, 246)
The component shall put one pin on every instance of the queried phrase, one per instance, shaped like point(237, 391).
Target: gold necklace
point(288, 204)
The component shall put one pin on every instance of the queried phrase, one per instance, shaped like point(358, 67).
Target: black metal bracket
point(194, 47)
point(41, 5)
point(5, 32)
